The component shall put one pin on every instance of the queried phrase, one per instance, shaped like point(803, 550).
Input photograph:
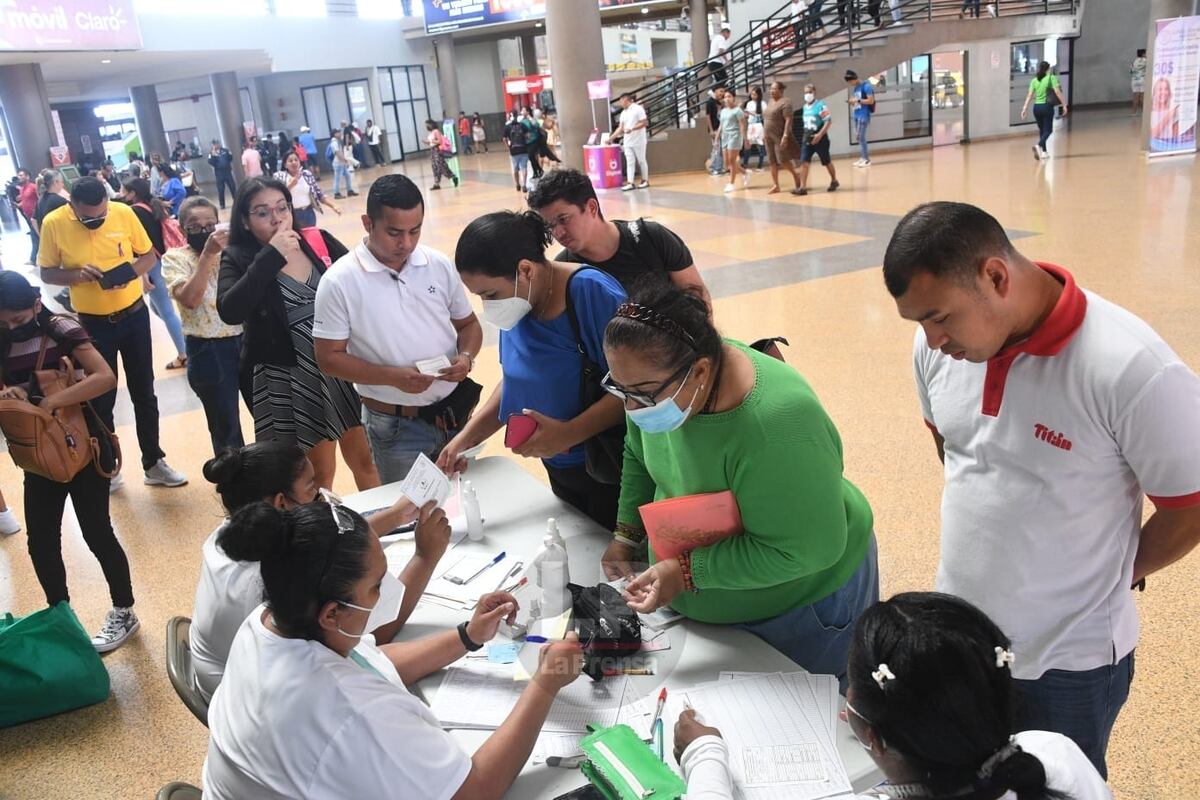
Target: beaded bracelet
point(685, 564)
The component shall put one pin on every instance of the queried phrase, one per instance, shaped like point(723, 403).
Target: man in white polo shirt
point(386, 313)
point(1054, 412)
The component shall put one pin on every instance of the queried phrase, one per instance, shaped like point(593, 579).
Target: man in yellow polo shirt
point(80, 242)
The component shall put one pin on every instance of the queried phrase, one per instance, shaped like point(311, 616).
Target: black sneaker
point(800, 192)
point(339, 197)
point(435, 187)
point(455, 179)
point(833, 187)
point(352, 194)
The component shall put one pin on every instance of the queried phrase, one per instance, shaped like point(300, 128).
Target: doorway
point(949, 91)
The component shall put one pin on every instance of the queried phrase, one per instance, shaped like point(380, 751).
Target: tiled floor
point(804, 268)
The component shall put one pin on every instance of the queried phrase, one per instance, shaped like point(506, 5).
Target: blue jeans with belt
point(212, 371)
point(397, 441)
point(817, 636)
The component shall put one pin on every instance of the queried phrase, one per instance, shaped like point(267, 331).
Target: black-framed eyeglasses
point(646, 399)
point(345, 524)
point(193, 229)
point(86, 220)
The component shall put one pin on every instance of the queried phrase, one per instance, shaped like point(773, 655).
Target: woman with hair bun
point(281, 475)
point(502, 258)
point(931, 699)
point(707, 415)
point(310, 707)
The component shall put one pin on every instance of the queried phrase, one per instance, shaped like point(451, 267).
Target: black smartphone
point(119, 275)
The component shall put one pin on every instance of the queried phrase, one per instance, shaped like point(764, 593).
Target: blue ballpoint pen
point(485, 568)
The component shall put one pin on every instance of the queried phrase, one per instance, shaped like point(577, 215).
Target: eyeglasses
point(264, 213)
point(645, 399)
point(344, 523)
point(562, 219)
point(200, 229)
point(86, 220)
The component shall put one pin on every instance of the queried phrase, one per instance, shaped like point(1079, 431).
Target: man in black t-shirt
point(518, 150)
point(712, 112)
point(626, 250)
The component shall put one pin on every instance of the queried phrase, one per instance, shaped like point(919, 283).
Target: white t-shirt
point(393, 318)
point(716, 49)
point(228, 591)
point(293, 719)
point(301, 192)
point(629, 117)
point(373, 133)
point(1049, 448)
point(705, 768)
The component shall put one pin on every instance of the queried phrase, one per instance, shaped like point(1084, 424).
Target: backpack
point(329, 150)
point(313, 238)
point(59, 445)
point(608, 628)
point(861, 93)
point(172, 234)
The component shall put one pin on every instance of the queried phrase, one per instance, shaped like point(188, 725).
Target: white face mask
point(391, 595)
point(809, 97)
point(506, 313)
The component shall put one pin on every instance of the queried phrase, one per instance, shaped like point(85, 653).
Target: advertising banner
point(443, 16)
point(68, 25)
point(1173, 86)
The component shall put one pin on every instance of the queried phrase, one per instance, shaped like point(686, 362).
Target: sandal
point(179, 362)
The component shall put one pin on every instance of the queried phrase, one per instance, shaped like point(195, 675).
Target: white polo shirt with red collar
point(1049, 448)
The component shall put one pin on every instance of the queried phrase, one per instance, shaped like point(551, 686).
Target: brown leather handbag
point(56, 445)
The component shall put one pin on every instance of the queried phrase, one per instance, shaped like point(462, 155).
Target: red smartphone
point(518, 429)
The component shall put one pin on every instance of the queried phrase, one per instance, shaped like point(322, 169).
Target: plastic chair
point(177, 790)
point(179, 669)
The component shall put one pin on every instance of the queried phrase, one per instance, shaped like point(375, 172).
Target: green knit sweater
point(806, 528)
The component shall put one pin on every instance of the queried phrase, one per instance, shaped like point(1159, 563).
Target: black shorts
point(821, 149)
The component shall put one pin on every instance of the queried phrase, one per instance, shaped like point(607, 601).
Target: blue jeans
point(1044, 114)
point(860, 130)
point(397, 441)
point(817, 636)
point(212, 371)
point(341, 173)
point(717, 164)
point(164, 309)
point(1082, 706)
point(306, 217)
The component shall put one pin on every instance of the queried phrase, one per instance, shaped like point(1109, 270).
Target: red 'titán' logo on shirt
point(1048, 436)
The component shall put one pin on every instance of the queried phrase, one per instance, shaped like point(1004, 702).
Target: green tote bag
point(47, 666)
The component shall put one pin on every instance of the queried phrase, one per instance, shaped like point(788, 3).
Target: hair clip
point(1003, 657)
point(655, 319)
point(883, 675)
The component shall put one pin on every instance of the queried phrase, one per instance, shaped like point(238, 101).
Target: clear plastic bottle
point(551, 573)
point(474, 516)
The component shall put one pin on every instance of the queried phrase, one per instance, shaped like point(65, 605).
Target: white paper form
point(782, 763)
point(433, 366)
point(425, 482)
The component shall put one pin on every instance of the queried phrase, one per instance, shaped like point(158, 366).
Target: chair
point(177, 790)
point(179, 669)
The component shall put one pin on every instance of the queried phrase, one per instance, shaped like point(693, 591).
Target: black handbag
point(604, 453)
point(607, 627)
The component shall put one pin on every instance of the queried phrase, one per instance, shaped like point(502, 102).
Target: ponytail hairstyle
point(494, 244)
point(304, 560)
point(140, 189)
point(255, 473)
point(667, 326)
point(931, 674)
point(1043, 68)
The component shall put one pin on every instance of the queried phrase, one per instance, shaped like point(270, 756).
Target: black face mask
point(23, 333)
point(92, 224)
point(196, 241)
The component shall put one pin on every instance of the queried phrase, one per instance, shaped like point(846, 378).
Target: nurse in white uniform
point(931, 699)
point(310, 707)
point(229, 590)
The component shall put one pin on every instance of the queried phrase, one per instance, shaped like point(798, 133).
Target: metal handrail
point(779, 41)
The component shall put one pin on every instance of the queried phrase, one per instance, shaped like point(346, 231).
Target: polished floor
point(804, 268)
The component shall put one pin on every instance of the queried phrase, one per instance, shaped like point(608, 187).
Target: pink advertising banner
point(1175, 86)
point(68, 25)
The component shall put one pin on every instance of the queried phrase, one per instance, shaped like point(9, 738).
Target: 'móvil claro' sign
point(68, 25)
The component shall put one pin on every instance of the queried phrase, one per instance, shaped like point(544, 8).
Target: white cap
point(304, 129)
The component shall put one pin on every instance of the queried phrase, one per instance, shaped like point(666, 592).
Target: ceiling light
point(645, 11)
point(106, 61)
point(537, 24)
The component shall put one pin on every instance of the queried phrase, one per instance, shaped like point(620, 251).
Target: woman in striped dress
point(268, 284)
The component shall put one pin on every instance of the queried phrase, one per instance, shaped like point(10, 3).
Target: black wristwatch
point(466, 640)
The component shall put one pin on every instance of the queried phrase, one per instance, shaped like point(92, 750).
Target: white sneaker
point(119, 625)
point(628, 187)
point(729, 187)
point(746, 180)
point(1037, 153)
point(8, 523)
point(644, 185)
point(116, 482)
point(161, 474)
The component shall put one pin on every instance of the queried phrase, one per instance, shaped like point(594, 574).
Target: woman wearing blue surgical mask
point(280, 474)
point(706, 415)
point(310, 707)
point(502, 258)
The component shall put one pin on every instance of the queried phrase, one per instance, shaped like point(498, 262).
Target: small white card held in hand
point(433, 366)
point(425, 482)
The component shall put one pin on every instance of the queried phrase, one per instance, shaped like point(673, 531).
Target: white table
point(515, 507)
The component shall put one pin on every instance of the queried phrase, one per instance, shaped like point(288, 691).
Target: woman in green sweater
point(708, 415)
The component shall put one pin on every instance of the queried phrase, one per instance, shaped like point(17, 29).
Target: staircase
point(820, 51)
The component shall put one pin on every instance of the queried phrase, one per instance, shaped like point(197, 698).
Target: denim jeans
point(817, 636)
point(397, 441)
point(1082, 706)
point(306, 217)
point(160, 303)
point(212, 371)
point(341, 174)
point(717, 164)
point(1044, 114)
point(860, 128)
point(129, 336)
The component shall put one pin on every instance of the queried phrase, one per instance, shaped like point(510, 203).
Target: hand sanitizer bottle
point(470, 502)
point(550, 570)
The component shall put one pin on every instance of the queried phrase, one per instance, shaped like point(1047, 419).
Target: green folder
point(623, 767)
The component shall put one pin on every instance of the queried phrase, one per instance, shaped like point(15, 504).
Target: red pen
point(517, 585)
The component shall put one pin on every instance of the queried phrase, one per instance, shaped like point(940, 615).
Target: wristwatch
point(470, 360)
point(466, 640)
